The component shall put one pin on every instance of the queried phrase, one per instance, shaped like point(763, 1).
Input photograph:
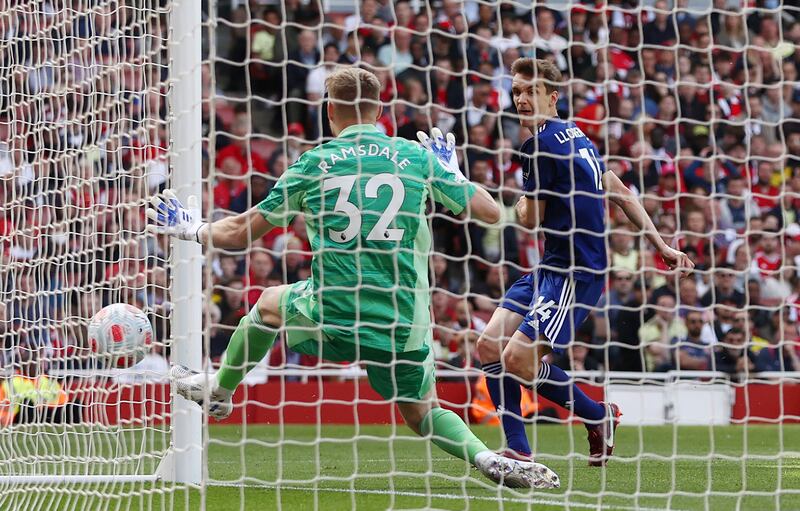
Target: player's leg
point(411, 382)
point(524, 359)
point(252, 339)
point(249, 343)
point(504, 390)
point(563, 305)
point(447, 430)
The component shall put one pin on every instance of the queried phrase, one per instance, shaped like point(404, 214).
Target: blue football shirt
point(563, 167)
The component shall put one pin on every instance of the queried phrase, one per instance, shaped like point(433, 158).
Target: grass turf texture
point(700, 466)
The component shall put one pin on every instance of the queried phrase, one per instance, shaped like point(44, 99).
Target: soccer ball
point(120, 335)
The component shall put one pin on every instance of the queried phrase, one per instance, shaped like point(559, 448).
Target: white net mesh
point(694, 106)
point(83, 141)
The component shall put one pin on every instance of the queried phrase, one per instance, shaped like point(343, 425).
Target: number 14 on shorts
point(540, 311)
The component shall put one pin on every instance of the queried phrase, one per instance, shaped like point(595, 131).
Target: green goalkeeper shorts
point(407, 376)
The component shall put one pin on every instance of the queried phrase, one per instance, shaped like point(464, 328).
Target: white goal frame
point(184, 461)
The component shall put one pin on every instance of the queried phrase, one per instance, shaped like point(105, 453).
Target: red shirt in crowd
point(766, 196)
point(591, 120)
point(768, 265)
point(256, 162)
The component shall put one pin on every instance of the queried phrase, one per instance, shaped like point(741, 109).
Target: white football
point(120, 335)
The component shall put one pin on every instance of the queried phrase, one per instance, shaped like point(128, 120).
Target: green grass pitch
point(684, 468)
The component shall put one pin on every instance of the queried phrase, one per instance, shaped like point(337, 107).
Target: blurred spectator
point(629, 353)
point(606, 318)
point(352, 51)
point(301, 61)
point(546, 38)
point(499, 241)
point(240, 150)
point(660, 333)
point(768, 257)
point(765, 193)
point(623, 254)
point(30, 395)
point(578, 356)
point(315, 90)
point(693, 354)
point(466, 354)
point(441, 274)
point(396, 54)
point(252, 195)
point(479, 97)
point(687, 296)
point(661, 30)
point(443, 314)
point(781, 354)
point(732, 355)
point(579, 359)
point(489, 290)
point(261, 275)
point(724, 315)
point(724, 288)
point(230, 301)
point(218, 338)
point(732, 32)
point(737, 207)
point(226, 267)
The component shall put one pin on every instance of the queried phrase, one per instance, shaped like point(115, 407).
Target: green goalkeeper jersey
point(364, 196)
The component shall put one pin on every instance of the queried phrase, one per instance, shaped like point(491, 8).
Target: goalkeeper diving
point(364, 196)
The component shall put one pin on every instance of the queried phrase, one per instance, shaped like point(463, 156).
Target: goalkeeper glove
point(444, 148)
point(172, 218)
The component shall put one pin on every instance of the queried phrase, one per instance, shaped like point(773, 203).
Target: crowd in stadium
point(694, 111)
point(83, 138)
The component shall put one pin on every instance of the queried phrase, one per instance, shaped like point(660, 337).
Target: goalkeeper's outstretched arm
point(483, 207)
point(235, 231)
point(171, 217)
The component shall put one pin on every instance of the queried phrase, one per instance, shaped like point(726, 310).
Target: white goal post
point(185, 463)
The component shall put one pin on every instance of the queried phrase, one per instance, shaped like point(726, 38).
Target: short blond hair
point(354, 88)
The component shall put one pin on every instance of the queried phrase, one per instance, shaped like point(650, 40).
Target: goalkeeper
point(364, 196)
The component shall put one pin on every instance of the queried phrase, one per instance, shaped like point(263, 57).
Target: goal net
point(692, 104)
point(84, 142)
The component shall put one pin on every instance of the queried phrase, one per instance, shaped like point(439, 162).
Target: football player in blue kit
point(565, 185)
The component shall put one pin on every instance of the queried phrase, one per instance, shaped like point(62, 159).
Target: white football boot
point(516, 473)
point(191, 385)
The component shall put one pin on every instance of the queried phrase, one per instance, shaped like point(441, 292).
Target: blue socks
point(506, 395)
point(553, 383)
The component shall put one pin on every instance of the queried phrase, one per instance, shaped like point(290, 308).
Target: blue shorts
point(554, 304)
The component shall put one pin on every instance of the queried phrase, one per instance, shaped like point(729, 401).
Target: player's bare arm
point(235, 231)
point(620, 195)
point(530, 211)
point(483, 207)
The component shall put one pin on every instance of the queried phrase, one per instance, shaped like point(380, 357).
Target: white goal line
point(538, 499)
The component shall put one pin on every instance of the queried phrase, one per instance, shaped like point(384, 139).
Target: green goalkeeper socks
point(450, 434)
point(248, 345)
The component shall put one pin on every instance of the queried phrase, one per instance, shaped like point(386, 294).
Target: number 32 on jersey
point(381, 230)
